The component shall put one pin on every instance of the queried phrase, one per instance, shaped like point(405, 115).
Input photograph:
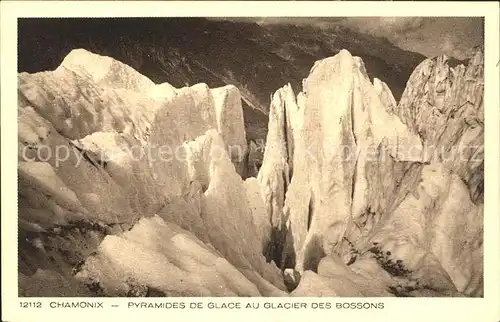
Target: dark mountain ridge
point(185, 51)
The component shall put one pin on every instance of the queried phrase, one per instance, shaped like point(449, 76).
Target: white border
point(396, 309)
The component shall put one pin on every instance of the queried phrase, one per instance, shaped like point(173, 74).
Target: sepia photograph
point(250, 157)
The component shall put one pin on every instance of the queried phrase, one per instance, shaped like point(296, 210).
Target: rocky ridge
point(348, 202)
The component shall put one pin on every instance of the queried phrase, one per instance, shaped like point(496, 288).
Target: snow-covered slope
point(130, 188)
point(445, 106)
point(102, 148)
point(347, 181)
